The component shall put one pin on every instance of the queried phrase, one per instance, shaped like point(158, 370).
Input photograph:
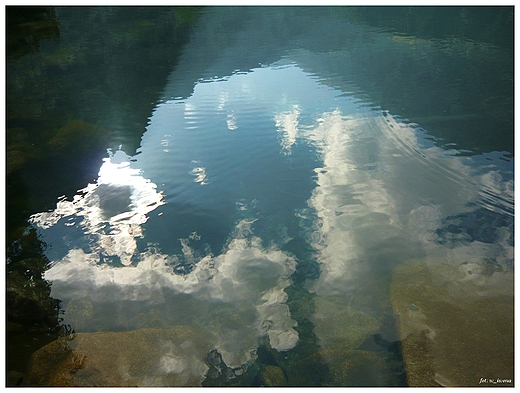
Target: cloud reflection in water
point(247, 276)
point(379, 198)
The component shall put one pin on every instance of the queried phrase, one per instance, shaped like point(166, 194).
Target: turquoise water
point(291, 160)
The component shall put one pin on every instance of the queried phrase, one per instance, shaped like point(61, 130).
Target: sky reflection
point(265, 145)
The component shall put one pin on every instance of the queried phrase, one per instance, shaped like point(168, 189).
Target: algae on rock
point(173, 356)
point(455, 322)
point(337, 326)
point(273, 376)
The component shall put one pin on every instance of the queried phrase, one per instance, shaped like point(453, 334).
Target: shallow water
point(294, 159)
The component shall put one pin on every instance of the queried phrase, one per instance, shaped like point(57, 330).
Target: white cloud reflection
point(200, 175)
point(287, 124)
point(379, 198)
point(113, 209)
point(246, 276)
point(376, 174)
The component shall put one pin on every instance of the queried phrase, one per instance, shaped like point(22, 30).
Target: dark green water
point(254, 174)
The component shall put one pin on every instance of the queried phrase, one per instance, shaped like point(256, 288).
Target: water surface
point(296, 156)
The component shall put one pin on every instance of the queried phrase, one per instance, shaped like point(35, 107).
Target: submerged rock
point(337, 326)
point(455, 322)
point(79, 312)
point(273, 376)
point(77, 135)
point(173, 356)
point(344, 367)
point(340, 332)
point(15, 160)
point(14, 378)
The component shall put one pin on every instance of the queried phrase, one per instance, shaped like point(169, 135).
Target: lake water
point(293, 161)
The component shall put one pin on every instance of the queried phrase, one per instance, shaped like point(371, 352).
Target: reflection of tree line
point(101, 113)
point(32, 315)
point(27, 26)
point(80, 80)
point(489, 24)
point(449, 67)
point(69, 99)
point(459, 89)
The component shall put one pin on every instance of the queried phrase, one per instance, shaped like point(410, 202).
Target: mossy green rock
point(273, 376)
point(455, 322)
point(172, 356)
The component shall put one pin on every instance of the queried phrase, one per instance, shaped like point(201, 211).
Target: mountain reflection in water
point(255, 145)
